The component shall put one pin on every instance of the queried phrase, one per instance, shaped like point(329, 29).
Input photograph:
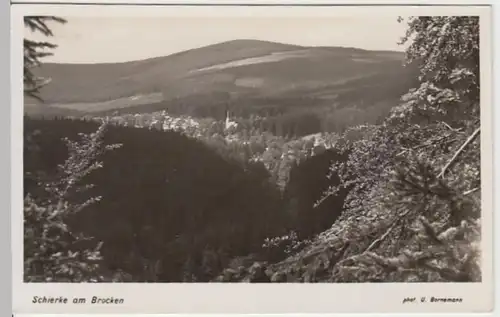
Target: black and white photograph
point(333, 149)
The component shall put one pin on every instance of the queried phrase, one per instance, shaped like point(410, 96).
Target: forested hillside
point(177, 197)
point(299, 90)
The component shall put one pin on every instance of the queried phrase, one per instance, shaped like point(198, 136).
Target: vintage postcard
point(251, 159)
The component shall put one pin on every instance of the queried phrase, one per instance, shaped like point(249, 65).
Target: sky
point(121, 39)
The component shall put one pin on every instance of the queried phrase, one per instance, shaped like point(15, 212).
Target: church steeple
point(228, 122)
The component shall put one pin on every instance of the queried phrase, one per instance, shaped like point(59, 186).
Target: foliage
point(279, 247)
point(412, 212)
point(34, 51)
point(201, 241)
point(406, 220)
point(254, 273)
point(246, 143)
point(401, 202)
point(49, 247)
point(447, 51)
point(53, 251)
point(245, 165)
point(234, 211)
point(83, 158)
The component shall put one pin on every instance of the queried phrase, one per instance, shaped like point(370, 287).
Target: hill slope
point(252, 76)
point(108, 81)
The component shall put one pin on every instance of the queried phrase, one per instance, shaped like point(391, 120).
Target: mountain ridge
point(255, 76)
point(248, 41)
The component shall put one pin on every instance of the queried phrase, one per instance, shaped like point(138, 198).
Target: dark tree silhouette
point(34, 51)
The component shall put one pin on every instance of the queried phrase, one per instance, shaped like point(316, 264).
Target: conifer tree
point(52, 250)
point(34, 51)
point(413, 208)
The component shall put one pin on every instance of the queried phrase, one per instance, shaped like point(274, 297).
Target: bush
point(53, 251)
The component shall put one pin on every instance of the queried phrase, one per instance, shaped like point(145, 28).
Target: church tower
point(228, 122)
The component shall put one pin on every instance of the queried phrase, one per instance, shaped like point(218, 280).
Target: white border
point(251, 298)
point(266, 2)
point(5, 131)
point(156, 10)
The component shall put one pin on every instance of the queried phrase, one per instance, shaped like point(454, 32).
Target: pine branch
point(388, 231)
point(37, 23)
point(34, 51)
point(471, 191)
point(426, 144)
point(448, 273)
point(469, 140)
point(429, 230)
point(448, 126)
